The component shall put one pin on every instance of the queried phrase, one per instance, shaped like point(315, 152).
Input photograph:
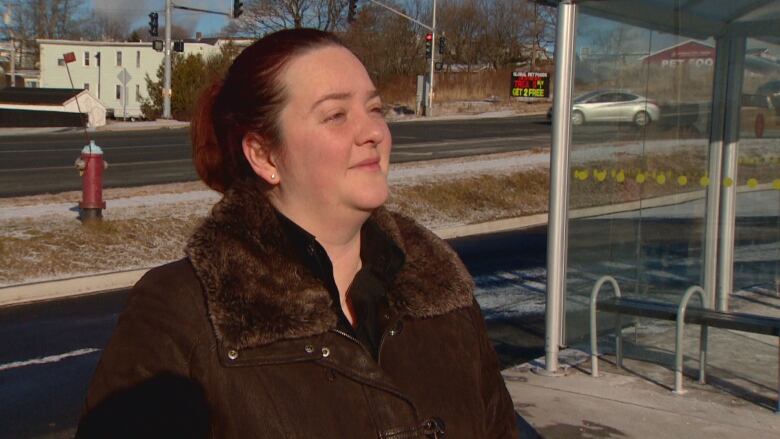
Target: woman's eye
point(335, 117)
point(377, 109)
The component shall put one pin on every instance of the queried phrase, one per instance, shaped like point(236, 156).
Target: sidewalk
point(111, 126)
point(637, 402)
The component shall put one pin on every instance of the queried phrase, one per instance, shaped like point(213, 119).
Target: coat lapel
point(257, 294)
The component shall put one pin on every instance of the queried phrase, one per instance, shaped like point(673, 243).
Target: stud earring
point(273, 176)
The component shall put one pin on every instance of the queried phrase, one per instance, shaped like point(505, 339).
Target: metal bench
point(682, 314)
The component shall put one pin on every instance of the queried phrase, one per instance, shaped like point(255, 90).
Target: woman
point(303, 309)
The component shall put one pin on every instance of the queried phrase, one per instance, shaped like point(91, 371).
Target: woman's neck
point(340, 237)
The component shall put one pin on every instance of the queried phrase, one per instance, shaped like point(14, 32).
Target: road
point(49, 350)
point(44, 163)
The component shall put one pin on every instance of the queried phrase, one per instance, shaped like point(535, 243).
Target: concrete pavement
point(637, 402)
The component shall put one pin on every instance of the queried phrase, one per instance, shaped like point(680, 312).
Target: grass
point(474, 199)
point(68, 248)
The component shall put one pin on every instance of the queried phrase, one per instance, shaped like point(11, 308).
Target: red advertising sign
point(530, 85)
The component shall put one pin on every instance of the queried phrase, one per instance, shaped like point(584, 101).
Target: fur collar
point(256, 294)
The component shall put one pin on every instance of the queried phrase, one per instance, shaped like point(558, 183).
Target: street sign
point(530, 85)
point(124, 77)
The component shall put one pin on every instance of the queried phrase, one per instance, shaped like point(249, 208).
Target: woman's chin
point(370, 200)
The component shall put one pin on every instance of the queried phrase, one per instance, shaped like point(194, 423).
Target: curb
point(447, 117)
point(74, 286)
point(109, 129)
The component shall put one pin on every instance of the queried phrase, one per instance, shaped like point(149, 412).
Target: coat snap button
point(232, 354)
point(309, 349)
point(397, 330)
point(325, 352)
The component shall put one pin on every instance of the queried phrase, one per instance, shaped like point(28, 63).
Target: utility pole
point(167, 51)
point(536, 38)
point(99, 59)
point(429, 107)
point(13, 62)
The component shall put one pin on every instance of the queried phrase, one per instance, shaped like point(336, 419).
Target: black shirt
point(381, 260)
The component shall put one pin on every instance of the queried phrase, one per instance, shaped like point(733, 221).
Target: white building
point(46, 100)
point(99, 64)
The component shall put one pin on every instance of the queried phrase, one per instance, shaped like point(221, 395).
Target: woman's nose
point(373, 130)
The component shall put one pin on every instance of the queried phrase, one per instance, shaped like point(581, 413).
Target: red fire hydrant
point(91, 166)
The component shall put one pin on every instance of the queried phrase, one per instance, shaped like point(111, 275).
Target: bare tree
point(33, 19)
point(104, 27)
point(387, 44)
point(264, 16)
point(465, 23)
point(495, 32)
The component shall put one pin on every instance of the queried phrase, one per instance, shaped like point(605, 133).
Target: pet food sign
point(530, 85)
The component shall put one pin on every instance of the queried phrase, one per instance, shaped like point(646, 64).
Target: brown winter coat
point(238, 341)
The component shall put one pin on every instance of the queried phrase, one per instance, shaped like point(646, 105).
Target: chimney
point(198, 36)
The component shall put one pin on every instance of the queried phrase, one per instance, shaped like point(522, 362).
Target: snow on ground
point(511, 294)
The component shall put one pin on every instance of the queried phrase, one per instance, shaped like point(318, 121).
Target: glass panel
point(640, 176)
point(638, 163)
point(757, 232)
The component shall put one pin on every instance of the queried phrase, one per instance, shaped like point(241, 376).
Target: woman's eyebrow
point(331, 96)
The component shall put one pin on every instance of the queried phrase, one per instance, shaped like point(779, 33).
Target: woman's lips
point(368, 164)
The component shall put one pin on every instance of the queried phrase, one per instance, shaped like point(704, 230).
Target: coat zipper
point(393, 391)
point(384, 336)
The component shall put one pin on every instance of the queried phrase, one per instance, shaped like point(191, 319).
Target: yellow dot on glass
point(661, 179)
point(704, 181)
point(620, 177)
point(640, 178)
point(728, 181)
point(752, 183)
point(600, 176)
point(776, 184)
point(682, 180)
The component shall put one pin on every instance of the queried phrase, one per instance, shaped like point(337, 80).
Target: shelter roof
point(37, 96)
point(698, 19)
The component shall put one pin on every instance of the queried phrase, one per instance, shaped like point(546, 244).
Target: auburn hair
point(249, 99)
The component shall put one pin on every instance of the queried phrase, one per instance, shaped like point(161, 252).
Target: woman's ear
point(260, 159)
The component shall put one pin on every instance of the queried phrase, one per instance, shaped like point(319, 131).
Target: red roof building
point(689, 52)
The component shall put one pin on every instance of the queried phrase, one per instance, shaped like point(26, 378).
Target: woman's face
point(335, 141)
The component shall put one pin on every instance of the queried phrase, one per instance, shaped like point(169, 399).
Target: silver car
point(613, 106)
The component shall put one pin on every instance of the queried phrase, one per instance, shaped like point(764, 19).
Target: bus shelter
point(665, 159)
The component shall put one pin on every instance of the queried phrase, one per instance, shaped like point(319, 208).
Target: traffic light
point(352, 11)
point(157, 45)
point(442, 44)
point(238, 8)
point(178, 46)
point(153, 25)
point(428, 45)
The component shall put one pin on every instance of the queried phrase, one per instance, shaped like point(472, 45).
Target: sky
point(137, 12)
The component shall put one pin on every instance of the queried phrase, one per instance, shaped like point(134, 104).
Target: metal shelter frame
point(730, 23)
